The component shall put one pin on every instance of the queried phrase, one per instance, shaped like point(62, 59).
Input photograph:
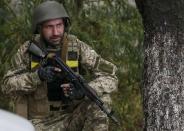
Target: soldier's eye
point(59, 25)
point(48, 27)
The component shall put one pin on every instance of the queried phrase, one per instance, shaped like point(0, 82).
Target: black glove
point(71, 92)
point(46, 73)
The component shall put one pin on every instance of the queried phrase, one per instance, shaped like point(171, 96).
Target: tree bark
point(163, 75)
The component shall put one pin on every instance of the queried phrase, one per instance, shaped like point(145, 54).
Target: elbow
point(5, 87)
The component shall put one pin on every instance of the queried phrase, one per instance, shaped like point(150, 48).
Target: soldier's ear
point(67, 24)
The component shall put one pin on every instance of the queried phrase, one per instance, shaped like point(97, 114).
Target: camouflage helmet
point(49, 10)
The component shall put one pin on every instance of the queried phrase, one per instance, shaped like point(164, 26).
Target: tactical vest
point(69, 53)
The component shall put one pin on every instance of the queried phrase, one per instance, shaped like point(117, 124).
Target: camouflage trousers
point(86, 116)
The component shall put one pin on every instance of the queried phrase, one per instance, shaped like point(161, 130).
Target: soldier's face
point(52, 31)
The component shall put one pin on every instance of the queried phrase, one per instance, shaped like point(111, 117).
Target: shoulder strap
point(64, 48)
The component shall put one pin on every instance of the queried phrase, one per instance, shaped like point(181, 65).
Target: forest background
point(113, 27)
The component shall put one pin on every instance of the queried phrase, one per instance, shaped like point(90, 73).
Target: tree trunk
point(163, 76)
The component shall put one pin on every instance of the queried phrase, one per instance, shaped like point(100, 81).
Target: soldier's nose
point(55, 31)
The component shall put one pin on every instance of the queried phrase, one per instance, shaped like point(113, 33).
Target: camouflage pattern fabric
point(85, 117)
point(22, 84)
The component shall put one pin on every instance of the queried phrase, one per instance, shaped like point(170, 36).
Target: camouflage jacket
point(30, 93)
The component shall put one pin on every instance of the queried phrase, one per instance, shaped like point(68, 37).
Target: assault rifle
point(78, 81)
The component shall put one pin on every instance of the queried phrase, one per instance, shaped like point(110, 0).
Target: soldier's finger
point(65, 85)
point(57, 69)
point(64, 89)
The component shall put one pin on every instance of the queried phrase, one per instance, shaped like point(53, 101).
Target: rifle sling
point(64, 48)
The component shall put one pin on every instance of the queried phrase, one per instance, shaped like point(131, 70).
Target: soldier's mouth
point(56, 39)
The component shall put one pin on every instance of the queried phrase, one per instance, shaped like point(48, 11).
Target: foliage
point(116, 33)
point(15, 29)
point(113, 28)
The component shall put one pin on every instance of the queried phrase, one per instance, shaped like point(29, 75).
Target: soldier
point(46, 98)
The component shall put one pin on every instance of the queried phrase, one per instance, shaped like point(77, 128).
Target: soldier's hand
point(47, 73)
point(71, 92)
